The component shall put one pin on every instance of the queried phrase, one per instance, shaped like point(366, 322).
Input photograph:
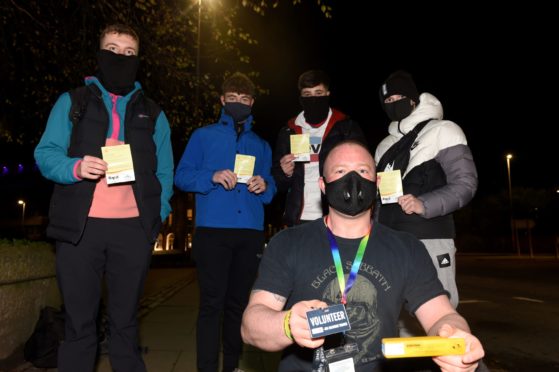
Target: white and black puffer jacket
point(441, 172)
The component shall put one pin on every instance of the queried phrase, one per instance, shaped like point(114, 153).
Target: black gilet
point(70, 204)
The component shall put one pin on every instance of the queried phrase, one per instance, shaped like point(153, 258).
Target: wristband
point(286, 326)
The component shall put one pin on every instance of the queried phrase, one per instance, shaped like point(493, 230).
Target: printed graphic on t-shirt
point(316, 143)
point(362, 313)
point(444, 260)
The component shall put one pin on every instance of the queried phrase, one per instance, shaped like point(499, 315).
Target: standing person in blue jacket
point(100, 229)
point(229, 233)
point(437, 168)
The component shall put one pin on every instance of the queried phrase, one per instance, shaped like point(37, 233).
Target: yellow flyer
point(119, 159)
point(301, 146)
point(390, 186)
point(244, 167)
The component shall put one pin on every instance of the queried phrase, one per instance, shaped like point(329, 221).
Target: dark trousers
point(119, 250)
point(227, 261)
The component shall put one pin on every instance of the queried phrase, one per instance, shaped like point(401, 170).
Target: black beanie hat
point(399, 82)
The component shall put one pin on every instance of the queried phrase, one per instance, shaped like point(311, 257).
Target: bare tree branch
point(28, 14)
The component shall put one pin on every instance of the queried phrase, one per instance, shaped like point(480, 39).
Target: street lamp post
point(512, 229)
point(197, 97)
point(22, 203)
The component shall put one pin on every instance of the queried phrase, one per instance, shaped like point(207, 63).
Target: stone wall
point(27, 284)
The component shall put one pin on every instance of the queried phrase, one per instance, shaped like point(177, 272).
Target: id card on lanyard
point(340, 359)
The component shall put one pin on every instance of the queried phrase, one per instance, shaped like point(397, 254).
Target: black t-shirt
point(396, 270)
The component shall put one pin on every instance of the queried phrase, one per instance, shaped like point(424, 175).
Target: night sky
point(492, 70)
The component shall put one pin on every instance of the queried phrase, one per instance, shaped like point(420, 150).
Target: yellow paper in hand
point(120, 166)
point(300, 146)
point(244, 167)
point(390, 186)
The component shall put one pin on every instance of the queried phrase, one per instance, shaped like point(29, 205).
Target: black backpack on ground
point(42, 347)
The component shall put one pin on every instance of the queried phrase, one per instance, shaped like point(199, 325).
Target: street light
point(512, 229)
point(22, 203)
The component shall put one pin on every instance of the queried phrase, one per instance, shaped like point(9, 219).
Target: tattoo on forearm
point(279, 298)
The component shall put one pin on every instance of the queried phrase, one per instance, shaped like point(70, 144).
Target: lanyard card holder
point(340, 359)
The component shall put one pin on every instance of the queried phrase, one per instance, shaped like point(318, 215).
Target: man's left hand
point(467, 362)
point(256, 184)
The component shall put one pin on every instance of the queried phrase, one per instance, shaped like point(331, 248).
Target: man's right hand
point(299, 325)
point(225, 178)
point(91, 168)
point(287, 164)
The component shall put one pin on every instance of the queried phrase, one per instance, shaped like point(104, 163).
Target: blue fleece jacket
point(213, 148)
point(51, 154)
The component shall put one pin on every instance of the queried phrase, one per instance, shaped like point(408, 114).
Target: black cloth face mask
point(238, 111)
point(315, 108)
point(117, 72)
point(398, 110)
point(351, 194)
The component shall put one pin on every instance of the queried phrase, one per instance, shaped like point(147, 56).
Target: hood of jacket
point(429, 108)
point(301, 122)
point(93, 80)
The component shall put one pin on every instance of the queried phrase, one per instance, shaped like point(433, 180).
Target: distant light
point(5, 170)
point(509, 156)
point(20, 202)
point(20, 168)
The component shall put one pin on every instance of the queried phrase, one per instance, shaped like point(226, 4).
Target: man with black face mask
point(347, 258)
point(229, 234)
point(325, 127)
point(437, 169)
point(105, 229)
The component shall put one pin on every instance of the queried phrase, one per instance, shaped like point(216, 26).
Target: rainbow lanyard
point(345, 288)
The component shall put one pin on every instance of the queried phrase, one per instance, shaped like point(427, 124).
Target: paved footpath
point(167, 315)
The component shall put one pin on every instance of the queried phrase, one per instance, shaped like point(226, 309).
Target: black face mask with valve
point(351, 194)
point(399, 110)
